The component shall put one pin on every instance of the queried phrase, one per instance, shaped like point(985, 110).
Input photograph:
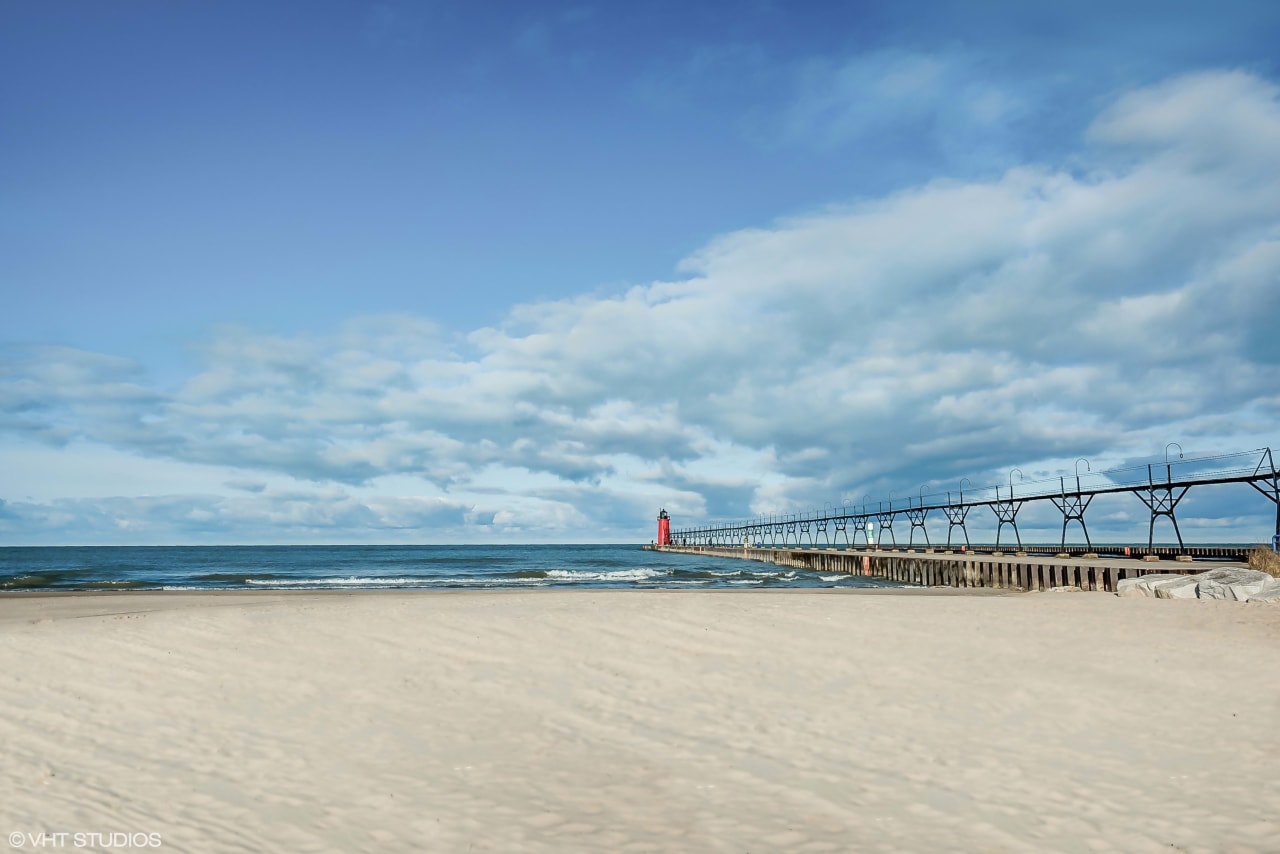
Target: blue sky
point(441, 272)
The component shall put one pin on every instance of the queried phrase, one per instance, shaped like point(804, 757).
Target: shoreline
point(75, 604)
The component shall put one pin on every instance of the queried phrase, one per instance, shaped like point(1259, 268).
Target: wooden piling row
point(943, 569)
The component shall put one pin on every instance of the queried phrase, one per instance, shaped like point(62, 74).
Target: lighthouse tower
point(664, 528)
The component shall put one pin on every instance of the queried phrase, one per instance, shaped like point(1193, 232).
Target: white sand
point(642, 721)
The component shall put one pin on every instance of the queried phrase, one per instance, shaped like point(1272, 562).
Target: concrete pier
point(949, 568)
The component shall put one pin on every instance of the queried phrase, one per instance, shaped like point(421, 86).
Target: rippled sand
point(642, 721)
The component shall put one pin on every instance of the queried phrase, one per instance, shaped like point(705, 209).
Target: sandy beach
point(640, 721)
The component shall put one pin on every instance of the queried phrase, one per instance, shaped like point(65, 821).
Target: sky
point(446, 272)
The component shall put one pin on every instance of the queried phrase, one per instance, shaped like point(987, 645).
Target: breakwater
point(929, 567)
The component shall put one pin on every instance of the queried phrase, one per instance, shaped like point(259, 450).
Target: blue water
point(355, 567)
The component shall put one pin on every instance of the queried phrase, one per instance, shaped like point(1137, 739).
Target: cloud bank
point(1100, 308)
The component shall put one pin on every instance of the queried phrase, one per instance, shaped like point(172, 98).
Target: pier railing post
point(956, 514)
point(917, 517)
point(885, 521)
point(1072, 507)
point(1007, 513)
point(1270, 489)
point(1162, 500)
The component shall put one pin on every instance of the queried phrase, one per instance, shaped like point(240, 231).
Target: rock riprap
point(1234, 584)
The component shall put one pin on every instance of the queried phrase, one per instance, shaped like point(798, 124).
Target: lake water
point(354, 567)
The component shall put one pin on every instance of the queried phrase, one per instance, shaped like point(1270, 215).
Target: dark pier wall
point(934, 568)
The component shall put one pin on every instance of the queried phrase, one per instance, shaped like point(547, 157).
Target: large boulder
point(1185, 587)
point(1144, 585)
point(1270, 592)
point(1234, 584)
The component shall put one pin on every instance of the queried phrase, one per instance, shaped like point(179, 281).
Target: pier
point(1020, 570)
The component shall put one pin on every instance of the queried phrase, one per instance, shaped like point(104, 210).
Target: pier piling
point(929, 568)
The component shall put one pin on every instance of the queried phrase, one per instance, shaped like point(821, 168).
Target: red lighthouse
point(664, 528)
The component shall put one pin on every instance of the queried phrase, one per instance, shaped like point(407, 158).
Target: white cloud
point(945, 330)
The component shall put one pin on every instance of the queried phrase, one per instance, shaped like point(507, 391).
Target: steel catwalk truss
point(1161, 495)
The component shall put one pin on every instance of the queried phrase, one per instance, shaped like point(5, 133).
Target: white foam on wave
point(353, 581)
point(780, 576)
point(356, 581)
point(748, 581)
point(490, 583)
point(639, 574)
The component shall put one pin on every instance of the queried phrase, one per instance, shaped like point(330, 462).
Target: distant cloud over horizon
point(1101, 305)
